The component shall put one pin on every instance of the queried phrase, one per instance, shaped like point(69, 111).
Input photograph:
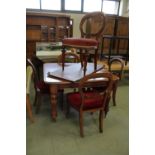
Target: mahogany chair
point(70, 57)
point(92, 100)
point(41, 88)
point(91, 28)
point(117, 75)
point(28, 83)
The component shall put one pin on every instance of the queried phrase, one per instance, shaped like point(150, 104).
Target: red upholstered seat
point(93, 100)
point(90, 102)
point(80, 42)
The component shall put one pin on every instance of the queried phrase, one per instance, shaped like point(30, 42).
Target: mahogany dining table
point(57, 78)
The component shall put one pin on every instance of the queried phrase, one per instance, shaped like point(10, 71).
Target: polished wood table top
point(73, 72)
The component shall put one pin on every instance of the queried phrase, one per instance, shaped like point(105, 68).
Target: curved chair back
point(119, 71)
point(92, 25)
point(104, 94)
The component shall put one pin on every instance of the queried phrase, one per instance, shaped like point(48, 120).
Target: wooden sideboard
point(44, 27)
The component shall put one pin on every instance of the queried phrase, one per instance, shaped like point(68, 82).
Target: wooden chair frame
point(104, 95)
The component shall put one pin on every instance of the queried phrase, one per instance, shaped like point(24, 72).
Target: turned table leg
point(53, 100)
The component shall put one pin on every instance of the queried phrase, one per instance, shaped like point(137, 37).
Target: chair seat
point(80, 42)
point(43, 87)
point(89, 103)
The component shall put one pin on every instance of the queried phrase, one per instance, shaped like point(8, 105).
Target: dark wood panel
point(116, 26)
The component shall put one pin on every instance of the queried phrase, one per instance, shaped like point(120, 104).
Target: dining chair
point(117, 75)
point(70, 57)
point(91, 28)
point(41, 88)
point(92, 100)
point(28, 84)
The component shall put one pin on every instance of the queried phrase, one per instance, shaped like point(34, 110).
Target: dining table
point(58, 79)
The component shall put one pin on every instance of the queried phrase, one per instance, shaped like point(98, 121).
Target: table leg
point(53, 100)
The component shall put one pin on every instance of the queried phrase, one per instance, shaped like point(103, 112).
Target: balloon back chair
point(117, 74)
point(91, 28)
point(92, 100)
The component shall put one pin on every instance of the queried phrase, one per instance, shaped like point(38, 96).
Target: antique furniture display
point(58, 79)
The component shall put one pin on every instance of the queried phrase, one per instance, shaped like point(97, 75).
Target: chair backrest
point(92, 25)
point(99, 80)
point(70, 57)
point(119, 69)
point(35, 74)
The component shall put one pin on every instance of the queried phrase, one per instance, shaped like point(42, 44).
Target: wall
point(124, 8)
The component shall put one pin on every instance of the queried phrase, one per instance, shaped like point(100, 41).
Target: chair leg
point(81, 123)
point(62, 99)
point(29, 108)
point(38, 103)
point(101, 121)
point(106, 108)
point(114, 92)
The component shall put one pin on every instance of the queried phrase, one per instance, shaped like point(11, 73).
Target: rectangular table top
point(72, 72)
